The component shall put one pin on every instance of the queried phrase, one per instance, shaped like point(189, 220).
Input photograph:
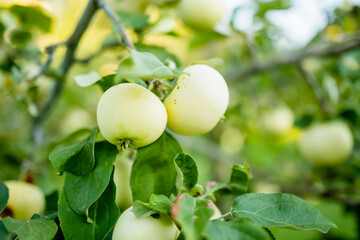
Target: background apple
point(25, 199)
point(327, 143)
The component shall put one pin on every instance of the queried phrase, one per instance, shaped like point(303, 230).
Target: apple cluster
point(131, 115)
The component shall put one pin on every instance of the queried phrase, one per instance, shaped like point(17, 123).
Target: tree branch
point(118, 24)
point(315, 87)
point(71, 44)
point(322, 50)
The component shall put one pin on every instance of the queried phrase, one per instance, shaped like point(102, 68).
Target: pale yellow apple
point(122, 182)
point(327, 143)
point(202, 14)
point(129, 113)
point(128, 227)
point(278, 121)
point(198, 101)
point(25, 199)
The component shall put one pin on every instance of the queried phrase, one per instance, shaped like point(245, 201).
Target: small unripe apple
point(25, 199)
point(198, 101)
point(129, 114)
point(122, 182)
point(217, 213)
point(278, 121)
point(128, 227)
point(202, 14)
point(327, 144)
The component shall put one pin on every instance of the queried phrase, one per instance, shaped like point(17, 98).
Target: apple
point(130, 115)
point(122, 182)
point(198, 101)
point(128, 227)
point(278, 121)
point(201, 14)
point(327, 143)
point(25, 199)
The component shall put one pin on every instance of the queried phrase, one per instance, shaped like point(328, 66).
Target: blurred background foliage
point(288, 64)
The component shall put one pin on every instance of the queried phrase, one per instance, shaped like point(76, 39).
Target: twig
point(118, 24)
point(322, 50)
point(314, 85)
point(50, 50)
point(71, 44)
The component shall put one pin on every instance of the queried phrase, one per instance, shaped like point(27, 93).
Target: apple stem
point(124, 144)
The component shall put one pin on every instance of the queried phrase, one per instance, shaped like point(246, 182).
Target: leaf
point(280, 210)
point(32, 16)
point(4, 234)
point(157, 204)
point(237, 229)
point(77, 158)
point(4, 196)
point(161, 53)
point(188, 169)
point(83, 191)
point(104, 213)
point(154, 169)
point(238, 184)
point(143, 65)
point(265, 6)
point(240, 176)
point(88, 79)
point(192, 214)
point(137, 21)
point(32, 229)
point(107, 82)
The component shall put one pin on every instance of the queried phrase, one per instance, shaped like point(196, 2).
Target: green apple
point(278, 121)
point(217, 213)
point(131, 115)
point(201, 14)
point(25, 199)
point(122, 182)
point(198, 101)
point(327, 143)
point(128, 227)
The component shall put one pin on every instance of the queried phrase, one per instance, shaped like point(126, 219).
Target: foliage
point(53, 70)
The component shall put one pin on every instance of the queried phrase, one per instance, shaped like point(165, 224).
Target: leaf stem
point(224, 215)
point(118, 24)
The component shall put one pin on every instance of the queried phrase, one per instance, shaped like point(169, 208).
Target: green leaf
point(4, 234)
point(88, 79)
point(188, 169)
point(280, 210)
point(265, 6)
point(32, 16)
point(137, 21)
point(157, 204)
point(77, 158)
point(238, 229)
point(33, 229)
point(83, 191)
point(240, 175)
point(4, 196)
point(192, 214)
point(107, 82)
point(143, 65)
point(154, 169)
point(104, 213)
point(161, 53)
